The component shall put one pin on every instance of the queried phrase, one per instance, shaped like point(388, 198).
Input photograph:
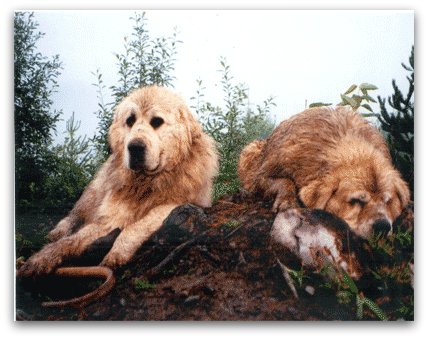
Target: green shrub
point(232, 125)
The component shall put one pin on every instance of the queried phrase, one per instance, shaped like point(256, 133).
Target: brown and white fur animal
point(160, 159)
point(317, 238)
point(331, 159)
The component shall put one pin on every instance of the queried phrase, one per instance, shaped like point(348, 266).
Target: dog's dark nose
point(381, 227)
point(137, 150)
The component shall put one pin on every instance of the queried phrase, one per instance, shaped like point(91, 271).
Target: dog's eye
point(356, 201)
point(130, 121)
point(156, 122)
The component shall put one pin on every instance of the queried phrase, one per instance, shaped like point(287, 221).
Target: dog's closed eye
point(358, 198)
point(356, 201)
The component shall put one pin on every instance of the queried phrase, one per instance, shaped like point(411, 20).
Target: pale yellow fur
point(179, 166)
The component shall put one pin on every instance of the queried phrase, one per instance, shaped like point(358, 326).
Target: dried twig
point(236, 229)
point(158, 268)
point(288, 278)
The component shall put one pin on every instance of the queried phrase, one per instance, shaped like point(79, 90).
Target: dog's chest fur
point(124, 202)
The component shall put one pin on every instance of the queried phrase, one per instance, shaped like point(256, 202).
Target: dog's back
point(300, 147)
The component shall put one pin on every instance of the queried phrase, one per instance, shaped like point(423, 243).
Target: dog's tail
point(249, 164)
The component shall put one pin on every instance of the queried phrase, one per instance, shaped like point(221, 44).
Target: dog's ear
point(402, 191)
point(318, 192)
point(194, 129)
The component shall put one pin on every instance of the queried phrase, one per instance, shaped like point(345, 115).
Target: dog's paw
point(115, 259)
point(37, 265)
point(280, 205)
point(284, 201)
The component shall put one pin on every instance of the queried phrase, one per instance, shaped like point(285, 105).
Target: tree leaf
point(407, 68)
point(360, 304)
point(369, 115)
point(348, 100)
point(369, 98)
point(367, 107)
point(350, 283)
point(318, 104)
point(375, 308)
point(367, 86)
point(350, 89)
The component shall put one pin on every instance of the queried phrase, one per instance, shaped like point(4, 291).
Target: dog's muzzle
point(137, 154)
point(382, 227)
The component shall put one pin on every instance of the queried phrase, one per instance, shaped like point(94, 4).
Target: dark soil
point(222, 269)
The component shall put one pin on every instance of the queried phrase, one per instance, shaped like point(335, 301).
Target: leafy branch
point(356, 97)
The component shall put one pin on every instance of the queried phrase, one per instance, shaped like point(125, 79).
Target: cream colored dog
point(160, 159)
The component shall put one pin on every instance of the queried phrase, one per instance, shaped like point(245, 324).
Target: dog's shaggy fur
point(160, 159)
point(331, 159)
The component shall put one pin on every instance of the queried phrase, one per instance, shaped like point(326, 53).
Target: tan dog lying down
point(160, 159)
point(331, 159)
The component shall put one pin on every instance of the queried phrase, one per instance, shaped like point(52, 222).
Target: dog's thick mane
point(186, 178)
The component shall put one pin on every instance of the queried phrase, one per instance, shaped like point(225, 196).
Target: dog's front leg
point(134, 235)
point(65, 227)
point(52, 255)
point(76, 218)
point(284, 191)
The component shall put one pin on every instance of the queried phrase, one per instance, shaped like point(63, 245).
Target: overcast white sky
point(291, 55)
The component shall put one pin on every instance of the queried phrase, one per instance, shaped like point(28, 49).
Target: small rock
point(184, 293)
point(310, 290)
point(277, 314)
point(241, 259)
point(293, 311)
point(101, 314)
point(191, 300)
point(208, 290)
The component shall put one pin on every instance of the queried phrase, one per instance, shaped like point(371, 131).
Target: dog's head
point(369, 196)
point(152, 130)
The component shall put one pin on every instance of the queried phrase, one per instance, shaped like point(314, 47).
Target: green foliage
point(22, 244)
point(35, 80)
point(232, 125)
point(395, 253)
point(297, 276)
point(144, 61)
point(105, 118)
point(360, 299)
point(386, 289)
point(142, 285)
point(231, 224)
point(319, 104)
point(390, 274)
point(406, 310)
point(399, 124)
point(355, 96)
point(74, 166)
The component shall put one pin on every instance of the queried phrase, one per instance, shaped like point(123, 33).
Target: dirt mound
point(212, 264)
